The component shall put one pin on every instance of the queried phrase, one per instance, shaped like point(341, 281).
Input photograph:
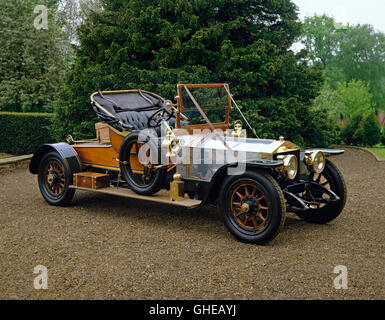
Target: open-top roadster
point(186, 154)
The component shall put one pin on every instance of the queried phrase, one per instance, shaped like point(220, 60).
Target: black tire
point(140, 187)
point(273, 205)
point(330, 211)
point(54, 168)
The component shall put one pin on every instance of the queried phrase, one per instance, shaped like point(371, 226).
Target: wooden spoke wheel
point(331, 178)
point(55, 179)
point(249, 206)
point(315, 198)
point(252, 206)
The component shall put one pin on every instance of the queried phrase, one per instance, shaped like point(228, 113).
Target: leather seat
point(138, 120)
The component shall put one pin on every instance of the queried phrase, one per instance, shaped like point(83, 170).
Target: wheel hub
point(50, 178)
point(245, 207)
point(250, 206)
point(53, 178)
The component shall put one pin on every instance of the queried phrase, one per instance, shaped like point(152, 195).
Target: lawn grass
point(4, 155)
point(379, 152)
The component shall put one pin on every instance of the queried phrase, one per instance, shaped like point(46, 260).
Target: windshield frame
point(222, 125)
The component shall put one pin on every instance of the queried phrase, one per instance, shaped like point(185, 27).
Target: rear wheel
point(54, 178)
point(253, 207)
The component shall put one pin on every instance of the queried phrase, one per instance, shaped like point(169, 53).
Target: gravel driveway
point(106, 247)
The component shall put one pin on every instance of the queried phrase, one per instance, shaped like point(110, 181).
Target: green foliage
point(321, 38)
point(322, 128)
point(383, 136)
point(31, 66)
point(155, 45)
point(328, 102)
point(349, 129)
point(347, 53)
point(362, 131)
point(351, 105)
point(371, 131)
point(362, 57)
point(23, 133)
point(355, 99)
point(354, 65)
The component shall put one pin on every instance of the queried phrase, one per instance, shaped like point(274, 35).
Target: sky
point(347, 11)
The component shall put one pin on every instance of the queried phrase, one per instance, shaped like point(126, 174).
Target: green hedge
point(22, 133)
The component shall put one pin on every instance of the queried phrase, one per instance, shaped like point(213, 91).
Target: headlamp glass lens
point(319, 162)
point(291, 167)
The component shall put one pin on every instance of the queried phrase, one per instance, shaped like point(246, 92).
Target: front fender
point(222, 172)
point(66, 152)
point(327, 152)
point(304, 171)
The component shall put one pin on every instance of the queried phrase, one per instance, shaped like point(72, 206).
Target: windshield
point(213, 99)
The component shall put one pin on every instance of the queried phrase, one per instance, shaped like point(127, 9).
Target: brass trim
point(98, 165)
point(245, 208)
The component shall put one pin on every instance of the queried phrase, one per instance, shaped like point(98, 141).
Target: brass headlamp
point(315, 160)
point(290, 166)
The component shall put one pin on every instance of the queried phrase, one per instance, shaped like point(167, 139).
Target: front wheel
point(55, 178)
point(253, 207)
point(332, 179)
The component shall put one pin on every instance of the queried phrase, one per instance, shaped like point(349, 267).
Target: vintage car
point(186, 154)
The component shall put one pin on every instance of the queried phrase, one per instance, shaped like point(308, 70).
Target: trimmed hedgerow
point(22, 133)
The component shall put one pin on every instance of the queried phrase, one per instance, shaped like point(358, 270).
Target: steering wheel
point(156, 119)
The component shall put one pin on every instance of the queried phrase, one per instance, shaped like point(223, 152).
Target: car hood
point(249, 145)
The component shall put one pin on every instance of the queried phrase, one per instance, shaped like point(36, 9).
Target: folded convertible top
point(110, 106)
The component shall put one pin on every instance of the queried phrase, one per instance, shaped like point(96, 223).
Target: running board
point(160, 197)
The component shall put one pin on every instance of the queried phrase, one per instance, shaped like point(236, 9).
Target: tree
point(154, 45)
point(355, 99)
point(329, 102)
point(321, 38)
point(362, 130)
point(371, 131)
point(31, 68)
point(360, 125)
point(347, 53)
point(362, 57)
point(70, 14)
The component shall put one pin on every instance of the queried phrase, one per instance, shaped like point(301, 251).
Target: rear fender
point(69, 155)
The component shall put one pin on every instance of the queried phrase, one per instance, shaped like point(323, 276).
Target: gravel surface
point(106, 247)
